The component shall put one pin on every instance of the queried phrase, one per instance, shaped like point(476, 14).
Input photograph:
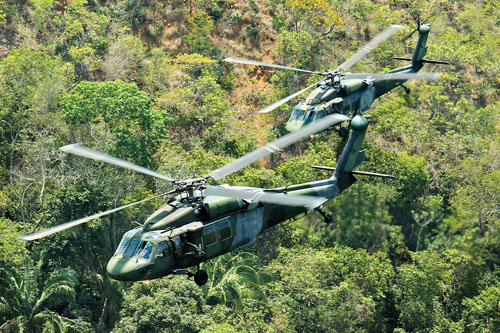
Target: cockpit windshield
point(123, 245)
point(135, 248)
point(300, 112)
point(132, 246)
point(297, 114)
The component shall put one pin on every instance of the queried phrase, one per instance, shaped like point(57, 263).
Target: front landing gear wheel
point(200, 277)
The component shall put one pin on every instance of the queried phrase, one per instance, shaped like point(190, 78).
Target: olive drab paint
point(202, 221)
point(182, 234)
point(351, 96)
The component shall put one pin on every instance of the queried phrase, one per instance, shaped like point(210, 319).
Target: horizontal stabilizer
point(355, 172)
point(441, 62)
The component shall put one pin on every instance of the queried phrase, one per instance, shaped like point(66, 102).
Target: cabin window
point(123, 245)
point(162, 249)
point(225, 230)
point(145, 250)
point(131, 247)
point(209, 235)
point(320, 114)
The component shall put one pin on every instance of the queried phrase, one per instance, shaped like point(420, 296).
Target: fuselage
point(350, 97)
point(192, 228)
point(184, 232)
point(346, 97)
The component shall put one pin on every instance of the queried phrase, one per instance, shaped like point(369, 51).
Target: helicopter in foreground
point(351, 93)
point(202, 221)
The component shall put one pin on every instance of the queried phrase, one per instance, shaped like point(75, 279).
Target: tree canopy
point(145, 81)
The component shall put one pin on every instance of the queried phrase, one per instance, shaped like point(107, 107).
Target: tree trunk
point(104, 314)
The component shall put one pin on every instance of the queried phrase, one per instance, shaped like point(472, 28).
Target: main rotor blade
point(53, 230)
point(286, 99)
point(310, 202)
point(368, 47)
point(394, 76)
point(277, 145)
point(83, 151)
point(258, 63)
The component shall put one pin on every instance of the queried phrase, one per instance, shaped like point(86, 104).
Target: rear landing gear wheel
point(328, 218)
point(200, 277)
point(343, 131)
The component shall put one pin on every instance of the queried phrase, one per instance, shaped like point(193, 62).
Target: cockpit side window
point(139, 248)
point(123, 245)
point(295, 114)
point(162, 249)
point(309, 117)
point(145, 252)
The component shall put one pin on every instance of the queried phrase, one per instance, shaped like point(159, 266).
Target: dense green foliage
point(27, 303)
point(144, 81)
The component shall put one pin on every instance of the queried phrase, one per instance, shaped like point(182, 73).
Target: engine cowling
point(214, 206)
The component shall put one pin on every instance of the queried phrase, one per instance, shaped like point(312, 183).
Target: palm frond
point(47, 316)
point(233, 295)
point(248, 274)
point(9, 326)
point(55, 295)
point(62, 324)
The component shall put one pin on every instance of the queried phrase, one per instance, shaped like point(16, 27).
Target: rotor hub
point(191, 184)
point(333, 78)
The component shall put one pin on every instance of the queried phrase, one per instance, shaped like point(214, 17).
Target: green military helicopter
point(202, 221)
point(351, 93)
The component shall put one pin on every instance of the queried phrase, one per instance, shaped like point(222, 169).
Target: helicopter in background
point(202, 221)
point(351, 93)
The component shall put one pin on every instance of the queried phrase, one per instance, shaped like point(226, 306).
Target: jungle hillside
point(144, 81)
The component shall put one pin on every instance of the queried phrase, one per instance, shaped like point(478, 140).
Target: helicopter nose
point(125, 269)
point(294, 125)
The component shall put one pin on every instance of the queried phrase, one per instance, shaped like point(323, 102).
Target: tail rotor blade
point(277, 145)
point(78, 149)
point(410, 34)
point(310, 202)
point(61, 227)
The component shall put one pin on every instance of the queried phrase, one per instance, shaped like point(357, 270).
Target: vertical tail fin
point(421, 48)
point(351, 155)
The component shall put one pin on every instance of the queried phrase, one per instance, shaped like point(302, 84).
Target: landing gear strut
point(200, 277)
point(407, 90)
point(328, 218)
